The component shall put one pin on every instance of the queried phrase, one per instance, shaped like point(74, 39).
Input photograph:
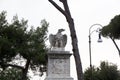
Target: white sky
point(84, 12)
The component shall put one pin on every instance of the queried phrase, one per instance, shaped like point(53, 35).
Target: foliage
point(11, 74)
point(113, 28)
point(94, 73)
point(11, 36)
point(16, 38)
point(106, 71)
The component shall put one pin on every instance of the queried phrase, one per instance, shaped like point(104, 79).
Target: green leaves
point(106, 71)
point(11, 37)
point(11, 74)
point(15, 38)
point(113, 28)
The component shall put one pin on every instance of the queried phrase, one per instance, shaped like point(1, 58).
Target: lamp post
point(99, 40)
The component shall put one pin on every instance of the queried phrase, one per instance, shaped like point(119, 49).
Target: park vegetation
point(22, 48)
point(112, 31)
point(106, 71)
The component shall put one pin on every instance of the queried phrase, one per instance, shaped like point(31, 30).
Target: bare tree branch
point(65, 4)
point(12, 65)
point(19, 67)
point(58, 7)
point(66, 13)
point(116, 45)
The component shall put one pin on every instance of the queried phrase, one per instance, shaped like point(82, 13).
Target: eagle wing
point(52, 40)
point(64, 40)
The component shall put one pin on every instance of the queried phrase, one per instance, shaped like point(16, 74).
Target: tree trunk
point(116, 45)
point(25, 70)
point(76, 51)
point(66, 13)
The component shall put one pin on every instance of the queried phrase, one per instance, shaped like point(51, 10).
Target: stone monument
point(58, 67)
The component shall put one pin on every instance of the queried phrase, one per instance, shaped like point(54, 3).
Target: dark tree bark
point(66, 13)
point(11, 65)
point(25, 70)
point(116, 45)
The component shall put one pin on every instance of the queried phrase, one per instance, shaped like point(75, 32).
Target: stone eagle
point(58, 40)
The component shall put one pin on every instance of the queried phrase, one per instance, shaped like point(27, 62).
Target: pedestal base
point(58, 65)
point(58, 78)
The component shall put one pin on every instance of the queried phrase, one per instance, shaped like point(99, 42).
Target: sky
point(84, 12)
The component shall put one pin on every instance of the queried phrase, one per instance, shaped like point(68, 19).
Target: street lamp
point(99, 40)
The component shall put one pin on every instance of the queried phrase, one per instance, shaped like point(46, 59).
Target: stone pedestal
point(58, 65)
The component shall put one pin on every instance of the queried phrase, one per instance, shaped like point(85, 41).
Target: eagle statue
point(58, 41)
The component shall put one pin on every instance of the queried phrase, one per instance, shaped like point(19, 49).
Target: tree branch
point(58, 7)
point(116, 45)
point(66, 13)
point(66, 7)
point(19, 67)
point(12, 65)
